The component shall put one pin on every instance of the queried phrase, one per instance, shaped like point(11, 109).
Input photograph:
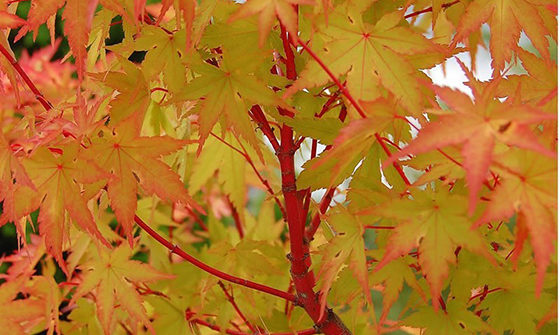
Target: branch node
point(289, 188)
point(284, 153)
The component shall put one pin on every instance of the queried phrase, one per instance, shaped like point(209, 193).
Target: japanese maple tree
point(278, 167)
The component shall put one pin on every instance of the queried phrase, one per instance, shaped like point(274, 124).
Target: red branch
point(227, 277)
point(324, 318)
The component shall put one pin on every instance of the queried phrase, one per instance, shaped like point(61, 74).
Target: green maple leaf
point(164, 55)
point(437, 227)
point(228, 92)
point(393, 276)
point(131, 160)
point(58, 178)
point(370, 55)
point(346, 247)
point(455, 320)
point(507, 307)
point(337, 164)
point(216, 155)
point(110, 274)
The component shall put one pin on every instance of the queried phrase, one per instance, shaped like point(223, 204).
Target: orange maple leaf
point(78, 16)
point(439, 225)
point(111, 275)
point(133, 159)
point(268, 10)
point(10, 170)
point(8, 20)
point(58, 174)
point(529, 188)
point(506, 20)
point(18, 314)
point(478, 125)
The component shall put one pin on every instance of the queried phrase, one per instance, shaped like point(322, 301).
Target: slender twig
point(485, 292)
point(323, 206)
point(234, 332)
point(213, 271)
point(44, 102)
point(252, 164)
point(197, 218)
point(378, 227)
point(429, 9)
point(258, 116)
point(236, 219)
point(231, 300)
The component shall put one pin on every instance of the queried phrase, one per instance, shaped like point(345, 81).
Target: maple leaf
point(506, 20)
point(216, 155)
point(539, 86)
point(8, 20)
point(163, 54)
point(132, 159)
point(439, 225)
point(347, 246)
point(78, 15)
point(393, 276)
point(111, 273)
point(517, 291)
point(10, 170)
point(370, 56)
point(478, 125)
point(268, 10)
point(337, 164)
point(17, 314)
point(134, 92)
point(58, 180)
point(226, 92)
point(528, 188)
point(456, 319)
